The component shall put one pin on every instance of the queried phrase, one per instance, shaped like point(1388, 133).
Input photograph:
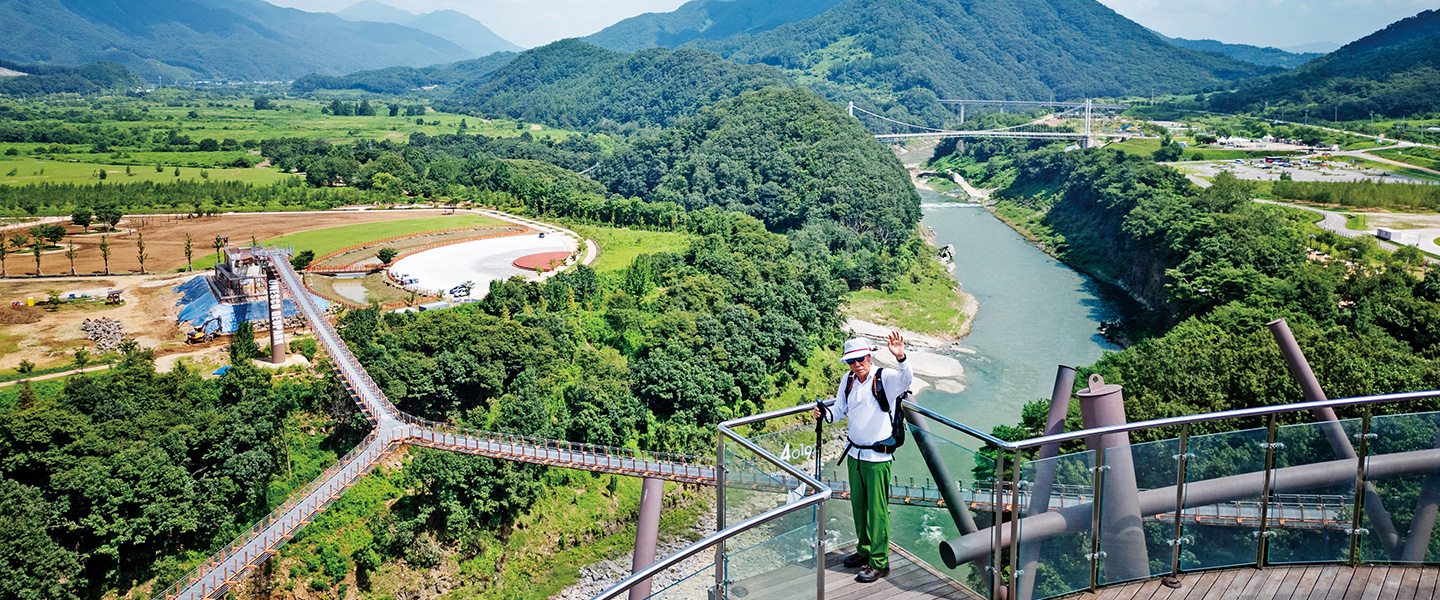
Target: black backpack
point(897, 423)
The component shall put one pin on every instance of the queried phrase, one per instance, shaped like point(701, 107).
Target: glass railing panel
point(1213, 537)
point(696, 584)
point(920, 517)
point(776, 550)
point(1056, 565)
point(1151, 466)
point(1307, 520)
point(1404, 468)
point(776, 563)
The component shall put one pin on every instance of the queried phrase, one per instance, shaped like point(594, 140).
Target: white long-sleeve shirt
point(868, 424)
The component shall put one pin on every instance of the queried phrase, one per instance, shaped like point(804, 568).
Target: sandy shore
point(932, 367)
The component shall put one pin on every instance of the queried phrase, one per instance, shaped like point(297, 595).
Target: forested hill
point(84, 79)
point(576, 85)
point(784, 156)
point(210, 39)
point(1268, 57)
point(705, 19)
point(994, 49)
point(453, 78)
point(1392, 72)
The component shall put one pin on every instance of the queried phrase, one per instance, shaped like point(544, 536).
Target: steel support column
point(1121, 530)
point(647, 532)
point(1045, 474)
point(1300, 369)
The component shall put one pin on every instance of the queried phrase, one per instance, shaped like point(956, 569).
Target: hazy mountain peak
point(379, 12)
point(705, 19)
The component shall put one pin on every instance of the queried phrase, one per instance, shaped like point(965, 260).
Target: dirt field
point(165, 239)
point(148, 316)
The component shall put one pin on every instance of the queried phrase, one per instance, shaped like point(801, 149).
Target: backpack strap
point(877, 387)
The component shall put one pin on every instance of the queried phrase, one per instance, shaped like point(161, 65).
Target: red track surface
point(542, 260)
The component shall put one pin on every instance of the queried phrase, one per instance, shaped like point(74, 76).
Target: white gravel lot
point(480, 261)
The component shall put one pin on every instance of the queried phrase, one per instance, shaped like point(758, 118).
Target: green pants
point(870, 503)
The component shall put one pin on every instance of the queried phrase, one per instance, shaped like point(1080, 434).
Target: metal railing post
point(819, 545)
point(1262, 535)
point(1177, 543)
point(720, 591)
point(1362, 456)
point(1097, 492)
point(996, 582)
point(1015, 571)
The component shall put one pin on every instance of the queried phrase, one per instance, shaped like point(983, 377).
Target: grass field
point(1398, 170)
point(1420, 157)
point(931, 306)
point(325, 241)
point(241, 123)
point(34, 170)
point(619, 247)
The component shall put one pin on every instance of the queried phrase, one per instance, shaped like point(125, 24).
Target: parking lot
point(1258, 170)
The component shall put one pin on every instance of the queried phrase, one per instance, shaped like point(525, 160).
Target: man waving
point(870, 398)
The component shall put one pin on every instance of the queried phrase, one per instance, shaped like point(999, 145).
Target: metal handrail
point(817, 498)
point(1239, 413)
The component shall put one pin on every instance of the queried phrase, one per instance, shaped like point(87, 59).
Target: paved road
point(1335, 222)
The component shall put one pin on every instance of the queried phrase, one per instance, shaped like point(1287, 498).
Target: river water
point(1035, 314)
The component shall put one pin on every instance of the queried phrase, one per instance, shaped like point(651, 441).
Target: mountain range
point(994, 49)
point(1392, 72)
point(451, 25)
point(1263, 56)
point(181, 40)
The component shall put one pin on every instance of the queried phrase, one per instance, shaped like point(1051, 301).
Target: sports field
point(619, 247)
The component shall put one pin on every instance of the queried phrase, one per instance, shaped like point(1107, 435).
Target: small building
point(1407, 238)
point(437, 305)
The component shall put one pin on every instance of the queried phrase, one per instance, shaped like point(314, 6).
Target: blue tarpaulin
point(201, 307)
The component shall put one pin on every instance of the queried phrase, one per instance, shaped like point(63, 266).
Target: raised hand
point(897, 345)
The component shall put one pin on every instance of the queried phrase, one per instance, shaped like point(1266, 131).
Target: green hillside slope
point(454, 77)
point(84, 79)
point(1392, 72)
point(705, 19)
point(993, 49)
point(575, 85)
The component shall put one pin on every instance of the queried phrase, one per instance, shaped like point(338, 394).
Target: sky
point(1279, 23)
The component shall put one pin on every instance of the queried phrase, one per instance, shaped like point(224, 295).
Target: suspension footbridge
point(1046, 127)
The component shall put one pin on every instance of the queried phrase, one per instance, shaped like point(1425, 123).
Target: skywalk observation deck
point(1320, 492)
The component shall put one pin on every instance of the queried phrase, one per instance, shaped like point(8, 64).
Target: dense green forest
point(92, 78)
point(1388, 73)
point(132, 474)
point(922, 49)
point(575, 85)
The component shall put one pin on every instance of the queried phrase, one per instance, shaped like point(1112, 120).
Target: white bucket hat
point(855, 348)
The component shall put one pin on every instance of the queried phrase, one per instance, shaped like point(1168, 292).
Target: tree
point(36, 249)
point(242, 344)
point(264, 103)
point(189, 251)
point(50, 232)
point(25, 366)
point(140, 250)
point(70, 254)
point(386, 255)
point(5, 250)
point(81, 358)
point(110, 216)
point(1169, 151)
point(177, 171)
point(219, 245)
point(105, 251)
point(36, 566)
point(83, 217)
point(302, 259)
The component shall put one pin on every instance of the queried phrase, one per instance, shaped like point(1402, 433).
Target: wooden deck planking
point(1299, 582)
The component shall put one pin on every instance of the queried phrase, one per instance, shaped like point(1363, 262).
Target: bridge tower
point(1089, 105)
point(851, 109)
point(277, 316)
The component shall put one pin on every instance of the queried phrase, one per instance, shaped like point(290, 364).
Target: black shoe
point(869, 574)
point(855, 561)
